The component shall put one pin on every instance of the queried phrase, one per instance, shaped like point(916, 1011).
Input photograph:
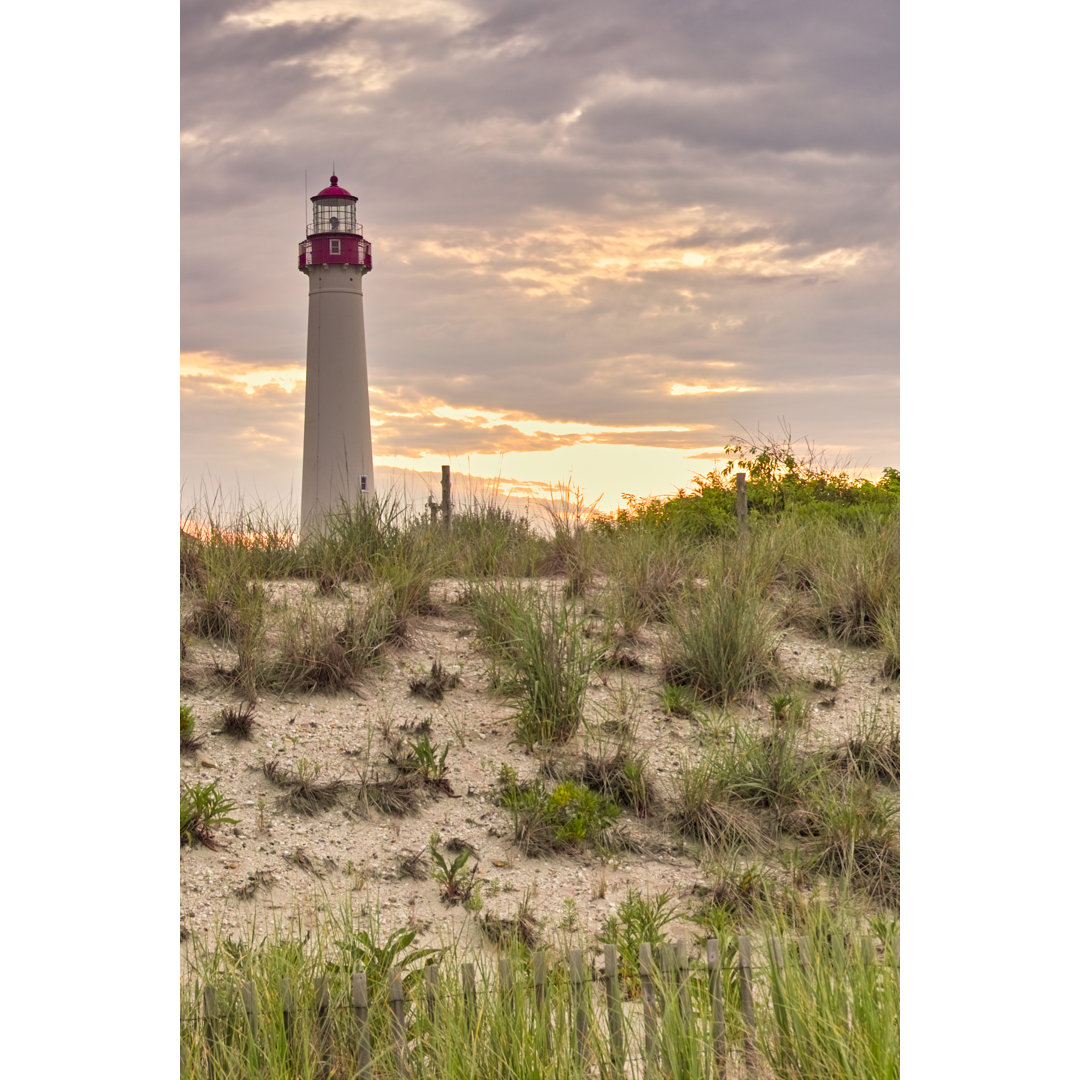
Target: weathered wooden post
point(746, 1002)
point(716, 996)
point(247, 995)
point(577, 995)
point(648, 997)
point(446, 496)
point(614, 1008)
point(323, 1038)
point(431, 989)
point(740, 502)
point(397, 1018)
point(682, 966)
point(213, 1029)
point(539, 979)
point(363, 1026)
point(288, 1013)
point(468, 985)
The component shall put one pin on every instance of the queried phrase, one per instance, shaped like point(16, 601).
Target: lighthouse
point(338, 466)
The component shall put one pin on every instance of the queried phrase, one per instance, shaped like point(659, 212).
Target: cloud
point(572, 208)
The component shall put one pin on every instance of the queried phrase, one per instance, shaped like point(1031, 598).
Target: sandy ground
point(276, 866)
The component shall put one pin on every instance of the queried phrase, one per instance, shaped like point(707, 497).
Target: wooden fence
point(665, 994)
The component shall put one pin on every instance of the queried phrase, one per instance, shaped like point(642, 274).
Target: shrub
point(723, 641)
point(872, 751)
point(571, 815)
point(540, 658)
point(703, 807)
point(316, 652)
point(647, 569)
point(489, 541)
point(857, 837)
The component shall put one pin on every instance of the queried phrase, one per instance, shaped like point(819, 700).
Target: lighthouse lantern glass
point(335, 216)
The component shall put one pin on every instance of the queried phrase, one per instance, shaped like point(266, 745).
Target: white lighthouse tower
point(338, 466)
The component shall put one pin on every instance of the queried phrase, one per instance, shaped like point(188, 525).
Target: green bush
point(571, 815)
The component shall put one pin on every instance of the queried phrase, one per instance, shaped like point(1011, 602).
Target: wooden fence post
point(247, 995)
point(506, 977)
point(431, 989)
point(539, 977)
point(323, 1037)
point(288, 1014)
point(716, 996)
point(446, 496)
point(363, 1026)
point(740, 502)
point(614, 1008)
point(780, 1003)
point(397, 1017)
point(682, 965)
point(468, 984)
point(648, 996)
point(746, 1002)
point(577, 995)
point(213, 1029)
point(666, 985)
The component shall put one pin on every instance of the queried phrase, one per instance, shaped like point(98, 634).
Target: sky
point(607, 237)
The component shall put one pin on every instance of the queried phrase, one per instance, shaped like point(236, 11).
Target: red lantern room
point(333, 235)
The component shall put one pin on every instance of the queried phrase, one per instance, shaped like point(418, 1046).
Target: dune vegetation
point(434, 727)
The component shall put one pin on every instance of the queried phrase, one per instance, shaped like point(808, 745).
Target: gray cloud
point(700, 128)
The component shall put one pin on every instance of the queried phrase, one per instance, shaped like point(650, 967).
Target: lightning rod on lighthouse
point(338, 464)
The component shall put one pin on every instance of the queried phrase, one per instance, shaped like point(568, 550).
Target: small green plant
point(360, 950)
point(639, 918)
point(788, 708)
point(833, 673)
point(426, 762)
point(678, 700)
point(189, 741)
point(569, 921)
point(202, 809)
point(457, 885)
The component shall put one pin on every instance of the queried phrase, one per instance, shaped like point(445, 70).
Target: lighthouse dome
point(333, 192)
